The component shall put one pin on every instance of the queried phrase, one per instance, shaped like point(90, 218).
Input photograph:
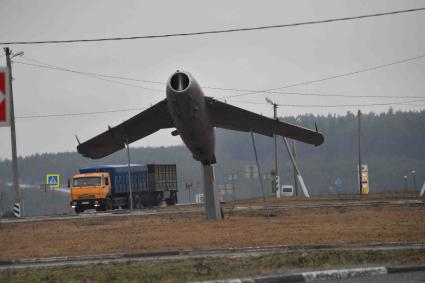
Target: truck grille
point(86, 197)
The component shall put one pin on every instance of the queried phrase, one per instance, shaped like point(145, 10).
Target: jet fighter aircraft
point(194, 117)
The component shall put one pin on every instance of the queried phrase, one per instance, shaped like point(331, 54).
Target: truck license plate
point(85, 202)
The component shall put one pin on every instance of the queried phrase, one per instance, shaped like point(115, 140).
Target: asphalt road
point(190, 209)
point(408, 277)
point(178, 255)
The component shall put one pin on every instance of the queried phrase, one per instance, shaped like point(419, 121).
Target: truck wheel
point(78, 210)
point(137, 201)
point(108, 204)
point(129, 202)
point(158, 199)
point(172, 200)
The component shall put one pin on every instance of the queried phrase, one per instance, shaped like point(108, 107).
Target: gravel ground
point(189, 231)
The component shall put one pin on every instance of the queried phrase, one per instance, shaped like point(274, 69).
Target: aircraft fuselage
point(187, 106)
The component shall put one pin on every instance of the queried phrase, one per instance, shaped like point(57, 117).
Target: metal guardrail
point(46, 188)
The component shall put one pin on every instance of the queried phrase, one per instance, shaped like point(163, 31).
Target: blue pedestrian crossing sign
point(53, 180)
point(338, 182)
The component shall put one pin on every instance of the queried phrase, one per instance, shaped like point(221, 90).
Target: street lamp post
point(275, 140)
point(405, 183)
point(414, 179)
point(294, 153)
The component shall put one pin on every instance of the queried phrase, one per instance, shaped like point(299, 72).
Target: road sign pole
point(15, 175)
point(360, 151)
point(188, 188)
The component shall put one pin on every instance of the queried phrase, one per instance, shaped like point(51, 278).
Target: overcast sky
point(254, 60)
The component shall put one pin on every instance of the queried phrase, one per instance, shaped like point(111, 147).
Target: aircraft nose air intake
point(179, 81)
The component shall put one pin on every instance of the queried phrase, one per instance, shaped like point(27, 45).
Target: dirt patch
point(189, 231)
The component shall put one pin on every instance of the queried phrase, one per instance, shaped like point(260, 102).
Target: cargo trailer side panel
point(162, 177)
point(138, 183)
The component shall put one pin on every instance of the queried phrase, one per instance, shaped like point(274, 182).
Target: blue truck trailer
point(106, 187)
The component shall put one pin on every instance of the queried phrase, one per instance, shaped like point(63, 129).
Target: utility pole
point(360, 152)
point(275, 143)
point(15, 175)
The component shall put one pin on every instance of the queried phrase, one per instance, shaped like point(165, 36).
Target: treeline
point(393, 144)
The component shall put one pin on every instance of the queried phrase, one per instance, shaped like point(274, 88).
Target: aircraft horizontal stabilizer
point(234, 118)
point(143, 124)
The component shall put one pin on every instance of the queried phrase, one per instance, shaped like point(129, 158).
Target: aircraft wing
point(234, 118)
point(143, 124)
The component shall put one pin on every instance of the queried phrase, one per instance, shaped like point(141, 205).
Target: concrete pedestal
point(212, 204)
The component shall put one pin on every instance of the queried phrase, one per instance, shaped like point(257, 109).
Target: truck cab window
point(86, 182)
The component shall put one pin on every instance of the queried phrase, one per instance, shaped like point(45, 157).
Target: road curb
point(401, 269)
point(331, 274)
point(6, 262)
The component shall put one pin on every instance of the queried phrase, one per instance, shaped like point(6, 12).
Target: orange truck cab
point(91, 190)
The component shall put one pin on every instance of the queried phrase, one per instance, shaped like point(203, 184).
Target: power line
point(309, 94)
point(94, 74)
point(217, 31)
point(334, 105)
point(328, 78)
point(247, 91)
point(80, 113)
point(415, 105)
point(91, 75)
point(354, 105)
point(343, 95)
